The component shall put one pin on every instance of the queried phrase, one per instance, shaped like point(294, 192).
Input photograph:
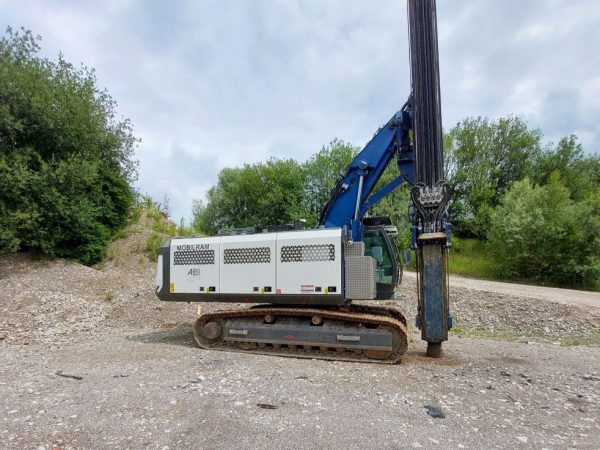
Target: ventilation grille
point(193, 257)
point(303, 253)
point(256, 255)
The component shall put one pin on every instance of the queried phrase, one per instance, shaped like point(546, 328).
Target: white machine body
point(269, 264)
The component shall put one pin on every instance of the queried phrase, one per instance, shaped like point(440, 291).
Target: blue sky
point(210, 84)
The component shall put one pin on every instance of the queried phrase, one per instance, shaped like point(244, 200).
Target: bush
point(65, 162)
point(483, 159)
point(153, 243)
point(539, 233)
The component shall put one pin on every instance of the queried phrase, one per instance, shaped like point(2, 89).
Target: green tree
point(66, 161)
point(579, 172)
point(539, 233)
point(257, 195)
point(322, 171)
point(483, 160)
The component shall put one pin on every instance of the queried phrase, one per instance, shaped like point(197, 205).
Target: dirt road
point(585, 299)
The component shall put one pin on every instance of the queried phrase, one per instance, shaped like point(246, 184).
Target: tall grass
point(153, 216)
point(470, 257)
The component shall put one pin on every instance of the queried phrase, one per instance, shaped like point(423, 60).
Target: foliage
point(65, 208)
point(533, 231)
point(579, 173)
point(153, 244)
point(153, 216)
point(65, 160)
point(257, 195)
point(471, 257)
point(183, 229)
point(540, 233)
point(483, 159)
point(322, 171)
point(272, 193)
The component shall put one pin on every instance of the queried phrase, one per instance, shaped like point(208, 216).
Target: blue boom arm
point(352, 195)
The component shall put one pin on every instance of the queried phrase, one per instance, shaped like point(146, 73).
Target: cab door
point(382, 248)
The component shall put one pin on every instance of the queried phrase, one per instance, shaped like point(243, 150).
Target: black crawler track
point(386, 319)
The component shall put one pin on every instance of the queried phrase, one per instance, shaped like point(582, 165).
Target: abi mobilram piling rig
point(305, 280)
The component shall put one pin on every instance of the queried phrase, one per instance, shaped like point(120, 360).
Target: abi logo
point(194, 273)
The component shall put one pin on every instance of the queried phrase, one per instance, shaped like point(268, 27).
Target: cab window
point(376, 246)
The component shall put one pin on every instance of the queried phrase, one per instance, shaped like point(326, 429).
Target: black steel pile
point(426, 102)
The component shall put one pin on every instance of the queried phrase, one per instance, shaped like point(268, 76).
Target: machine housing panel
point(310, 262)
point(194, 265)
point(248, 264)
point(283, 267)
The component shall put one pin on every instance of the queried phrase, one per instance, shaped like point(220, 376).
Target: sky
point(220, 83)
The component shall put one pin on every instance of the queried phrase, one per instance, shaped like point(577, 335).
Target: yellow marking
point(172, 288)
point(326, 291)
point(262, 290)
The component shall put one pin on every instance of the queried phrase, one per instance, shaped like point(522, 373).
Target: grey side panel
point(353, 249)
point(360, 282)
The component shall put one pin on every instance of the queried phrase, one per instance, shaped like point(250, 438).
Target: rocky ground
point(91, 359)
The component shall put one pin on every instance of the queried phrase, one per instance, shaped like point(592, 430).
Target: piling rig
point(304, 282)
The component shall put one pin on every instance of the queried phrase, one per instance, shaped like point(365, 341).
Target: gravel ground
point(140, 382)
point(155, 389)
point(516, 315)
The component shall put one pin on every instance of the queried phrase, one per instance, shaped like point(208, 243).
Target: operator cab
point(379, 244)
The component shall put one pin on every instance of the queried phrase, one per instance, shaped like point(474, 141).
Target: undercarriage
point(349, 333)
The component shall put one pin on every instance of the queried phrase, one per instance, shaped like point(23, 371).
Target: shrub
point(538, 232)
point(155, 240)
point(65, 162)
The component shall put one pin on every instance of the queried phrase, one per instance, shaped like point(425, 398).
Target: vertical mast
point(430, 194)
point(426, 101)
